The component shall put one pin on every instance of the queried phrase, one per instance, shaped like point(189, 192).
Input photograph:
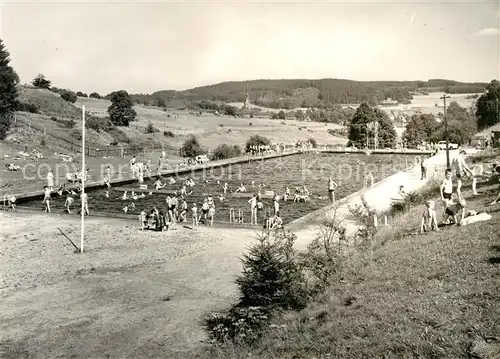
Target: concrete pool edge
point(22, 197)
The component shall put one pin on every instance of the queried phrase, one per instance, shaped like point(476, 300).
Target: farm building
point(388, 102)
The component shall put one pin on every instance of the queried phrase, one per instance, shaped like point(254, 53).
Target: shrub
point(415, 198)
point(191, 148)
point(118, 135)
point(98, 124)
point(324, 254)
point(69, 96)
point(76, 134)
point(364, 215)
point(114, 143)
point(250, 124)
point(150, 128)
point(65, 123)
point(43, 141)
point(313, 142)
point(256, 140)
point(283, 122)
point(168, 134)
point(95, 95)
point(27, 107)
point(338, 133)
point(225, 151)
point(272, 280)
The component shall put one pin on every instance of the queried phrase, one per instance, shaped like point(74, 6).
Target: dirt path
point(131, 294)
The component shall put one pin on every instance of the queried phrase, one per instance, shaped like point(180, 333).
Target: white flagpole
point(83, 178)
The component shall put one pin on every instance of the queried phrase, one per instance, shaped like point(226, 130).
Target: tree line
point(289, 94)
point(463, 123)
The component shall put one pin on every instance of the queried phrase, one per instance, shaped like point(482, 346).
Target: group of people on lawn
point(453, 209)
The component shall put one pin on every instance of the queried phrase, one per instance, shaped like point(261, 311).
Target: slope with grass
point(435, 295)
point(210, 129)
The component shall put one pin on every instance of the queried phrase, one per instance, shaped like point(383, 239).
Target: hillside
point(211, 130)
point(433, 295)
point(296, 93)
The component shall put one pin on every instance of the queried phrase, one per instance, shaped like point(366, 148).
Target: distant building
point(389, 102)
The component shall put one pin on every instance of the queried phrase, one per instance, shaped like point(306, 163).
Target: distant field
point(426, 104)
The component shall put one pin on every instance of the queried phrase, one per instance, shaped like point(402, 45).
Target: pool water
point(311, 170)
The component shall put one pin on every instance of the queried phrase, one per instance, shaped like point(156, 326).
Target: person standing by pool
point(46, 199)
point(332, 186)
point(50, 181)
point(287, 193)
point(276, 204)
point(194, 211)
point(253, 209)
point(68, 203)
point(211, 214)
point(85, 201)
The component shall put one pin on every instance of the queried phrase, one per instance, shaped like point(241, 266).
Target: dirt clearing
point(131, 294)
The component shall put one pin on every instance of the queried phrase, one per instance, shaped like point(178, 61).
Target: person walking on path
point(423, 168)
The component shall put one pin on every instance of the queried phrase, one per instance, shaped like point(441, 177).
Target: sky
point(143, 47)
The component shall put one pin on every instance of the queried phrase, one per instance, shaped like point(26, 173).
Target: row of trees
point(40, 81)
point(322, 93)
point(463, 123)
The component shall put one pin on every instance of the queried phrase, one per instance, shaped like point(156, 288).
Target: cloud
point(487, 32)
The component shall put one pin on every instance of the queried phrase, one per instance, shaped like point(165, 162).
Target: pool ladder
point(232, 216)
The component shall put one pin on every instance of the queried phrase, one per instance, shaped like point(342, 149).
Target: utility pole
point(444, 97)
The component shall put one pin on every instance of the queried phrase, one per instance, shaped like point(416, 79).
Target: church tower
point(246, 105)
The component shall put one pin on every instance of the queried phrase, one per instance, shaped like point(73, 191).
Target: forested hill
point(312, 93)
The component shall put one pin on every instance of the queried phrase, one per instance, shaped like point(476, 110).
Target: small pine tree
point(121, 111)
point(41, 82)
point(8, 91)
point(271, 276)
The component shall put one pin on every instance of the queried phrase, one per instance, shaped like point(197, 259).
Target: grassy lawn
point(434, 295)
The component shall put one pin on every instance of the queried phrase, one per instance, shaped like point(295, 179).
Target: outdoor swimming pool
point(311, 170)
